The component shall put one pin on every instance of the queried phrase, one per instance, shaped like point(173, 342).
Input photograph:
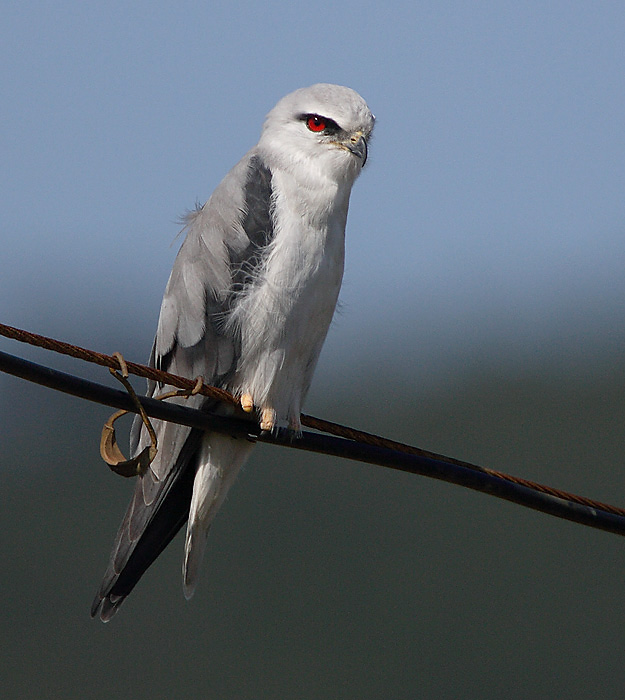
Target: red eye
point(315, 123)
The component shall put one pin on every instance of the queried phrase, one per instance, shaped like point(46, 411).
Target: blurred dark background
point(326, 578)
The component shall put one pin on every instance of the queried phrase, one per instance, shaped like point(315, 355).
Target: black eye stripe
point(330, 126)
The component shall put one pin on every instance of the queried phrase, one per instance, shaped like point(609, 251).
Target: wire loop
point(341, 441)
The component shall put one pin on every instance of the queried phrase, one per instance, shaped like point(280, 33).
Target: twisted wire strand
point(321, 425)
point(98, 358)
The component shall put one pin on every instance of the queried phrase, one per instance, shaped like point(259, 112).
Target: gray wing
point(217, 260)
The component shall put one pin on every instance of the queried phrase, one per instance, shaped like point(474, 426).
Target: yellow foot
point(247, 404)
point(267, 419)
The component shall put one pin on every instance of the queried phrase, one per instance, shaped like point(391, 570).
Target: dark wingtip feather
point(105, 608)
point(160, 528)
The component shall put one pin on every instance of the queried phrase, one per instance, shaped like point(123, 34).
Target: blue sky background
point(490, 218)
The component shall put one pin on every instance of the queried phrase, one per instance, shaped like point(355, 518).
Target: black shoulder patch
point(257, 223)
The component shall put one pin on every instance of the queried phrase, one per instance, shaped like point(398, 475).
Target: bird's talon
point(267, 419)
point(247, 403)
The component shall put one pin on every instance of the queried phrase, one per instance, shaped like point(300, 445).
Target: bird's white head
point(322, 129)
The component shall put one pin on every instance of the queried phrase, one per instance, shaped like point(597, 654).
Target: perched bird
point(247, 307)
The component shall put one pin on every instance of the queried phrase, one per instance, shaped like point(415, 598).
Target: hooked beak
point(357, 144)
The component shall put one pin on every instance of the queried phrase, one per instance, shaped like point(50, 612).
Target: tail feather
point(193, 490)
point(219, 461)
point(194, 548)
point(159, 522)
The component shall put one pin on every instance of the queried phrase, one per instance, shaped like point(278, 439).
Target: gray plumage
point(247, 307)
